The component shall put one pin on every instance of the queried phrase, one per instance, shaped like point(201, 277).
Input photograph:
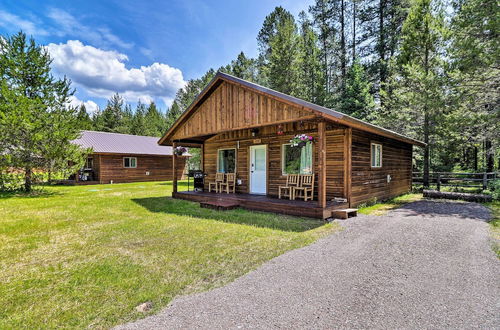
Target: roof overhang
point(327, 114)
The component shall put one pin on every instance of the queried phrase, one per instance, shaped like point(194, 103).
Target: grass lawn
point(85, 256)
point(495, 225)
point(384, 207)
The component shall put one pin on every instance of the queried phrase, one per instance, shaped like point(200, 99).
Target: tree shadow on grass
point(36, 193)
point(169, 205)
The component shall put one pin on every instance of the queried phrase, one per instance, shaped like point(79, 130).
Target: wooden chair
point(230, 183)
point(306, 187)
point(292, 180)
point(219, 179)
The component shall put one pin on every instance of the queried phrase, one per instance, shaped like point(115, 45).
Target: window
point(226, 161)
point(89, 163)
point(297, 160)
point(129, 162)
point(376, 155)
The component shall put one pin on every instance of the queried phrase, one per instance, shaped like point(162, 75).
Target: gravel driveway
point(426, 265)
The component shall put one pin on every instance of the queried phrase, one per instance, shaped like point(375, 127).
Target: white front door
point(258, 169)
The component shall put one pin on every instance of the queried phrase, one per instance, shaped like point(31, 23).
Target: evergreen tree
point(244, 68)
point(113, 114)
point(474, 51)
point(173, 113)
point(417, 101)
point(311, 78)
point(83, 118)
point(155, 121)
point(138, 125)
point(36, 122)
point(356, 99)
point(279, 47)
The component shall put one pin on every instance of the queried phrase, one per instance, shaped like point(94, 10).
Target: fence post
point(485, 180)
point(438, 182)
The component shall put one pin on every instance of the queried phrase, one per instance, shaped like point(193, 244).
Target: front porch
point(265, 203)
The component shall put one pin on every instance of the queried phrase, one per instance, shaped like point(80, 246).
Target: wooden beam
point(347, 164)
point(322, 164)
point(174, 169)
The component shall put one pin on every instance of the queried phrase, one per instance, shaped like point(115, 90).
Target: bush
point(494, 187)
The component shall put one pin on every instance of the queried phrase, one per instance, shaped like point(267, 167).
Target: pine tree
point(418, 90)
point(173, 113)
point(244, 68)
point(84, 118)
point(113, 114)
point(36, 122)
point(311, 79)
point(138, 125)
point(474, 51)
point(356, 99)
point(279, 48)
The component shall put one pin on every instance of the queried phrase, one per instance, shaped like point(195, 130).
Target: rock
point(144, 307)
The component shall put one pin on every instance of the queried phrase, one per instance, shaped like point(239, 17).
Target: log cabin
point(118, 158)
point(245, 128)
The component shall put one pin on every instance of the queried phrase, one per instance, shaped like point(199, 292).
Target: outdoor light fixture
point(254, 131)
point(280, 130)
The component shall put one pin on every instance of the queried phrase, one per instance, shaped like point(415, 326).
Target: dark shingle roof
point(104, 142)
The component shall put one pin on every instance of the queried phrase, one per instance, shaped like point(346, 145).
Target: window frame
point(86, 167)
point(283, 173)
point(235, 158)
point(381, 155)
point(130, 158)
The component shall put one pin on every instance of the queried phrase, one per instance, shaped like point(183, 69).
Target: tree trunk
point(354, 13)
point(27, 179)
point(475, 159)
point(488, 152)
point(426, 150)
point(381, 49)
point(343, 52)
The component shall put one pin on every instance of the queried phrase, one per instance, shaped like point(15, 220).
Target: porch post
point(174, 169)
point(347, 164)
point(322, 164)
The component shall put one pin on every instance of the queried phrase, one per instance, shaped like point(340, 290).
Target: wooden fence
point(478, 181)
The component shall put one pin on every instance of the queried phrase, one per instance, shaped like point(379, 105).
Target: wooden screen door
point(258, 169)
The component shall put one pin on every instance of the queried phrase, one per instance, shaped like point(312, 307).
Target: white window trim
point(371, 154)
point(130, 158)
point(235, 158)
point(283, 173)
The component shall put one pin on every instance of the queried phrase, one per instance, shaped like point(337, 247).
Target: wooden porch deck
point(300, 208)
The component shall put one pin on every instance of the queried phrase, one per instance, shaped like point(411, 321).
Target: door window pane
point(260, 159)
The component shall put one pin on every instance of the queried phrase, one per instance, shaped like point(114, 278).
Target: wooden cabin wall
point(159, 167)
point(268, 136)
point(371, 183)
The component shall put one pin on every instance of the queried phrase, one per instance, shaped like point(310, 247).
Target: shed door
point(258, 169)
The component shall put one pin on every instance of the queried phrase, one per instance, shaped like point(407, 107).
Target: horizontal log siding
point(371, 183)
point(274, 142)
point(159, 167)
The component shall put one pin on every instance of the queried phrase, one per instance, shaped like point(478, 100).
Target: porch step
point(220, 205)
point(344, 213)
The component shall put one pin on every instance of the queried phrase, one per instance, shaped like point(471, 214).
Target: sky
point(144, 50)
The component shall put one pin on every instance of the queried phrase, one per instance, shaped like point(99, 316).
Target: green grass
point(384, 207)
point(495, 225)
point(85, 256)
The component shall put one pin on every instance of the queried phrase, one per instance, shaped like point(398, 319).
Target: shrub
point(494, 187)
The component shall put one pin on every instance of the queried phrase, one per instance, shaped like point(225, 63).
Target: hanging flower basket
point(179, 151)
point(301, 140)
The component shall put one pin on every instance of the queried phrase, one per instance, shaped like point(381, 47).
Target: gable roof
point(115, 143)
point(321, 111)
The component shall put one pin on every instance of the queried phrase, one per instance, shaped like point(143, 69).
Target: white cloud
point(68, 25)
point(103, 72)
point(90, 105)
point(16, 23)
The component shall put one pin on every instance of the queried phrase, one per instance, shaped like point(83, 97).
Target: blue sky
point(142, 49)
